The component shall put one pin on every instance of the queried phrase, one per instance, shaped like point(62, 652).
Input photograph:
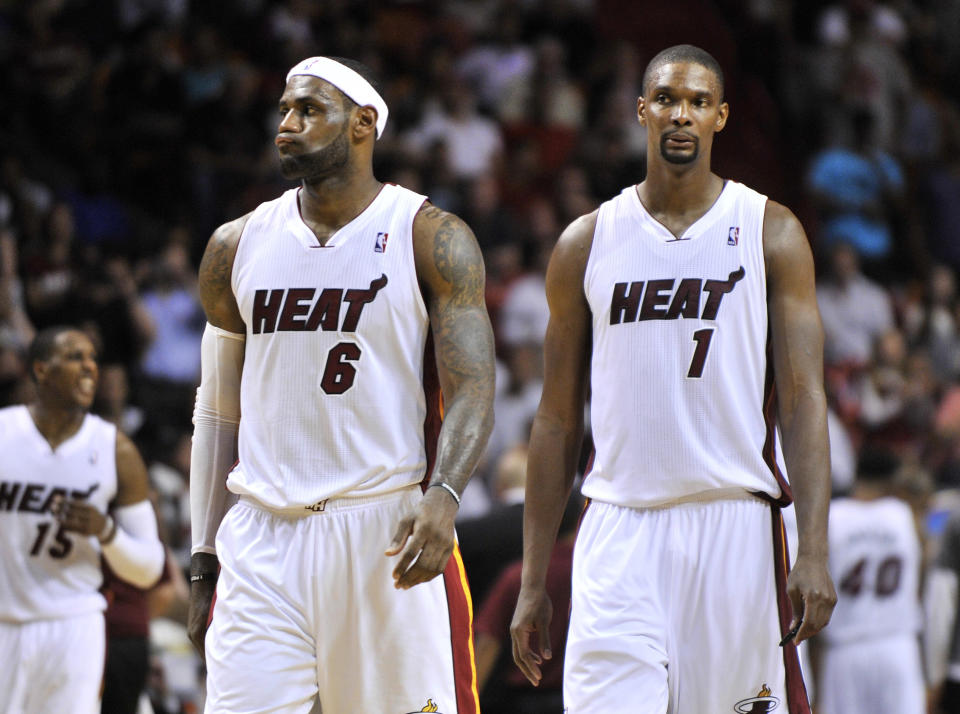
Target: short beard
point(678, 158)
point(318, 164)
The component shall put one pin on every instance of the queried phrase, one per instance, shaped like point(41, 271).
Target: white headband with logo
point(347, 81)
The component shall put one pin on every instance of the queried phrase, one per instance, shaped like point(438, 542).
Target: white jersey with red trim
point(332, 397)
point(875, 564)
point(681, 385)
point(47, 572)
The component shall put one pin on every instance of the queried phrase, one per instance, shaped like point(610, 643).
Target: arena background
point(130, 129)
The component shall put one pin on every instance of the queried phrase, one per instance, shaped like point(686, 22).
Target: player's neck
point(55, 423)
point(334, 201)
point(863, 491)
point(667, 190)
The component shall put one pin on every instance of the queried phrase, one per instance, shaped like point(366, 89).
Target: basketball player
point(671, 293)
point(72, 487)
point(319, 306)
point(871, 651)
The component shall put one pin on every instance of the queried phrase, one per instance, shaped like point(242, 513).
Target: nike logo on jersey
point(310, 309)
point(660, 300)
point(36, 497)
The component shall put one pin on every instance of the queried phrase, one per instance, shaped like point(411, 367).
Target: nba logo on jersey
point(381, 245)
point(733, 236)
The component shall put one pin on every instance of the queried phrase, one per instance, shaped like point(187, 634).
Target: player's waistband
point(709, 496)
point(330, 505)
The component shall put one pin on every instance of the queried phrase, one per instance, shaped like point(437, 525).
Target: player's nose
point(681, 113)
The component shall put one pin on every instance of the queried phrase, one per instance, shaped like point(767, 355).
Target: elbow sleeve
point(136, 553)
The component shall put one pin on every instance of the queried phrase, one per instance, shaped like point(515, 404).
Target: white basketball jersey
point(47, 572)
point(681, 386)
point(332, 396)
point(875, 565)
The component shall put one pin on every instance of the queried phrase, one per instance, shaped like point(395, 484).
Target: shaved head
point(683, 53)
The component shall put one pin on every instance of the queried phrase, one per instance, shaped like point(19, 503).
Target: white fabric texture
point(310, 601)
point(940, 611)
point(347, 81)
point(679, 370)
point(875, 562)
point(216, 418)
point(52, 666)
point(136, 553)
point(332, 395)
point(48, 572)
point(879, 676)
point(678, 603)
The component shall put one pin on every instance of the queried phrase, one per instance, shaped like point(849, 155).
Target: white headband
point(347, 81)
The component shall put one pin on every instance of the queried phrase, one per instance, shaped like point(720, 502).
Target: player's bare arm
point(555, 440)
point(798, 368)
point(220, 306)
point(216, 268)
point(451, 273)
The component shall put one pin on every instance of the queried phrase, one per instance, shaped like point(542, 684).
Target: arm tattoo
point(464, 345)
point(215, 271)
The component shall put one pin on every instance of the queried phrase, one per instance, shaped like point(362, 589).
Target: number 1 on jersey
point(702, 338)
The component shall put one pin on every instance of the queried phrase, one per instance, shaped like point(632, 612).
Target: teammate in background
point(319, 306)
point(680, 587)
point(871, 652)
point(73, 488)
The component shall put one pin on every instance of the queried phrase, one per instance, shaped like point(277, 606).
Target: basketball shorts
point(52, 666)
point(878, 676)
point(307, 618)
point(675, 610)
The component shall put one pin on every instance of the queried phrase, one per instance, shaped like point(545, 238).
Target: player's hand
point(532, 616)
point(78, 516)
point(201, 599)
point(425, 538)
point(812, 595)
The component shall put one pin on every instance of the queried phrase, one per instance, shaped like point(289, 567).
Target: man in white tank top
point(322, 505)
point(871, 652)
point(72, 489)
point(681, 592)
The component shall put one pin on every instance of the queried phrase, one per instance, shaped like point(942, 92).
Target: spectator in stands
point(503, 688)
point(15, 325)
point(859, 192)
point(473, 143)
point(489, 541)
point(854, 309)
point(170, 367)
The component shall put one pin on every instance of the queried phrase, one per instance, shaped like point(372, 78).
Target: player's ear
point(39, 369)
point(722, 114)
point(641, 109)
point(365, 122)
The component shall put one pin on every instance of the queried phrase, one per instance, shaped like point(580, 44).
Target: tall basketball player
point(871, 652)
point(688, 303)
point(318, 408)
point(72, 488)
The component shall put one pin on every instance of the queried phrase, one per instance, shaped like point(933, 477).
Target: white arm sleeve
point(940, 611)
point(135, 553)
point(216, 420)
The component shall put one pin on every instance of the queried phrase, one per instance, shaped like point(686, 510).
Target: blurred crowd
point(132, 128)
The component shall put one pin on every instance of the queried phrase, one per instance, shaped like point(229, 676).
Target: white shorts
point(52, 666)
point(675, 610)
point(307, 617)
point(878, 676)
